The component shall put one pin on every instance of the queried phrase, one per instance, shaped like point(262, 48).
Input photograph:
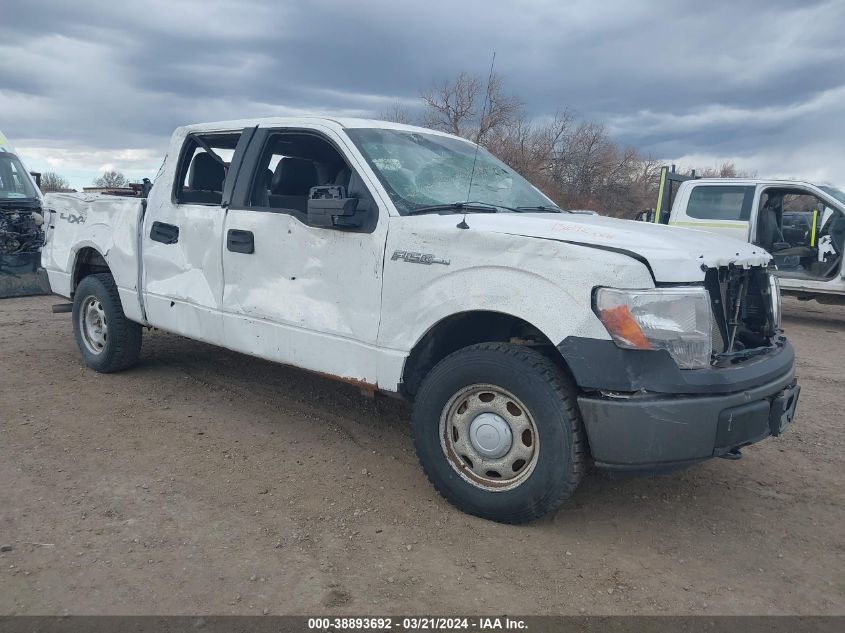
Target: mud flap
point(21, 275)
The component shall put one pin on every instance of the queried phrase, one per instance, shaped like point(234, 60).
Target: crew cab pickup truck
point(801, 224)
point(408, 261)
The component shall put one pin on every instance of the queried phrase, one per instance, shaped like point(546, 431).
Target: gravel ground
point(205, 481)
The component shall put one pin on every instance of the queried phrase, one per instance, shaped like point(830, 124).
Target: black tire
point(121, 345)
point(549, 398)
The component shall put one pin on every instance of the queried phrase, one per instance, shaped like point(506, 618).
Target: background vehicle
point(523, 333)
point(801, 224)
point(21, 236)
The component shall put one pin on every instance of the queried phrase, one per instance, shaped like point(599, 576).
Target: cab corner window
point(203, 166)
point(720, 202)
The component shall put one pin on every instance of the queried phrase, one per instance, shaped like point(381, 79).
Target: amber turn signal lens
point(621, 324)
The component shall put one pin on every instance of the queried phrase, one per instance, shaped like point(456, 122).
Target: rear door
point(717, 208)
point(183, 236)
point(293, 293)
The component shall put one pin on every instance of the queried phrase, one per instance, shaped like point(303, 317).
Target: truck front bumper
point(638, 429)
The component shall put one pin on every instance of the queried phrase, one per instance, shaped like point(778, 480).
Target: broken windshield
point(14, 181)
point(833, 191)
point(421, 170)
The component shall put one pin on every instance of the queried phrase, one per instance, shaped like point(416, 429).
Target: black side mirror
point(328, 207)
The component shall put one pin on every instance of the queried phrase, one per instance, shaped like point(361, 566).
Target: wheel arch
point(466, 328)
point(87, 261)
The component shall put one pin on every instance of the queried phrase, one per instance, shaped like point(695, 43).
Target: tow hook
point(733, 454)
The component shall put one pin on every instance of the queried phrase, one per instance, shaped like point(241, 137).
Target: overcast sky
point(92, 85)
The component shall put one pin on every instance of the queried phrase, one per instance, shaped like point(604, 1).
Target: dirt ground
point(204, 481)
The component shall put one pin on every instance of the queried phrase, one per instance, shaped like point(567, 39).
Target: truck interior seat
point(771, 237)
point(342, 177)
point(291, 183)
point(205, 179)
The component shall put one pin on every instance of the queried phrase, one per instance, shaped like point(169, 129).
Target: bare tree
point(727, 169)
point(51, 181)
point(456, 106)
point(397, 113)
point(576, 163)
point(532, 148)
point(111, 179)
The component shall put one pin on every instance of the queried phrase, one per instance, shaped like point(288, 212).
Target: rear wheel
point(107, 339)
point(498, 433)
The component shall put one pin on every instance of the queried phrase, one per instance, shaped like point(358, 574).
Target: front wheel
point(107, 339)
point(498, 433)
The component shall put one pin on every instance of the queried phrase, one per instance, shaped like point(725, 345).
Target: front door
point(295, 293)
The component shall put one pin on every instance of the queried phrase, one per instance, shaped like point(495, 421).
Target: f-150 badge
point(418, 258)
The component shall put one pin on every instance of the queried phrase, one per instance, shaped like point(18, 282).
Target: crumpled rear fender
point(106, 224)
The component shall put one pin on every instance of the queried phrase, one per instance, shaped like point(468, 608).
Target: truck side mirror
point(328, 207)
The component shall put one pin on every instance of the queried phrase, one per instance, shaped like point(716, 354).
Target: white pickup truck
point(409, 261)
point(801, 224)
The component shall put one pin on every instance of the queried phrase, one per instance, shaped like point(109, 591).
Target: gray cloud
point(759, 82)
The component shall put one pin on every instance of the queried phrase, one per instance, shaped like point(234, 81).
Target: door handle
point(164, 233)
point(239, 241)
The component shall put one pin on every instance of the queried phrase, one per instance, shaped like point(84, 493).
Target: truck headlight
point(677, 319)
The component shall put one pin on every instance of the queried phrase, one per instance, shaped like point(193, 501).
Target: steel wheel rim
point(465, 454)
point(93, 325)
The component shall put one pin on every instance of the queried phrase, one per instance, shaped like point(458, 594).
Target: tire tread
point(125, 334)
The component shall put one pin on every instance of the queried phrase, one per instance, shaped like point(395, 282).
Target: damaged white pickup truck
point(405, 260)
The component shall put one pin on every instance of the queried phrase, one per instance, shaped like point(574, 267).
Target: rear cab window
point(203, 167)
point(721, 202)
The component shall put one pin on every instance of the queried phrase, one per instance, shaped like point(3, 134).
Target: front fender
point(433, 270)
point(554, 311)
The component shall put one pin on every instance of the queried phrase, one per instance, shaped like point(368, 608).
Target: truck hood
point(673, 254)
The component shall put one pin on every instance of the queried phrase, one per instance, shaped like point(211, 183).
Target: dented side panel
point(106, 224)
point(308, 296)
point(546, 283)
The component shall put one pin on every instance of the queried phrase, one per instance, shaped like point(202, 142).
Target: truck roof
point(327, 121)
point(750, 181)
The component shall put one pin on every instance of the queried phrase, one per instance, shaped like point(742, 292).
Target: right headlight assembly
point(677, 319)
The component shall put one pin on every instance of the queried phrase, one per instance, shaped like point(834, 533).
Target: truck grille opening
point(743, 311)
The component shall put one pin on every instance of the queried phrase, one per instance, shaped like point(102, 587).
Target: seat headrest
point(206, 174)
point(342, 177)
point(294, 177)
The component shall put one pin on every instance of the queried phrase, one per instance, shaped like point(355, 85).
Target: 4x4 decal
point(72, 219)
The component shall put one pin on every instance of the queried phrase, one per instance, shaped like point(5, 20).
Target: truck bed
point(107, 224)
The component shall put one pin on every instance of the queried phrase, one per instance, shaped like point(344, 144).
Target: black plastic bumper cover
point(687, 421)
point(601, 365)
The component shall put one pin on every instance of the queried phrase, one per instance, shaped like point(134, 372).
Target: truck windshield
point(833, 191)
point(14, 181)
point(422, 170)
